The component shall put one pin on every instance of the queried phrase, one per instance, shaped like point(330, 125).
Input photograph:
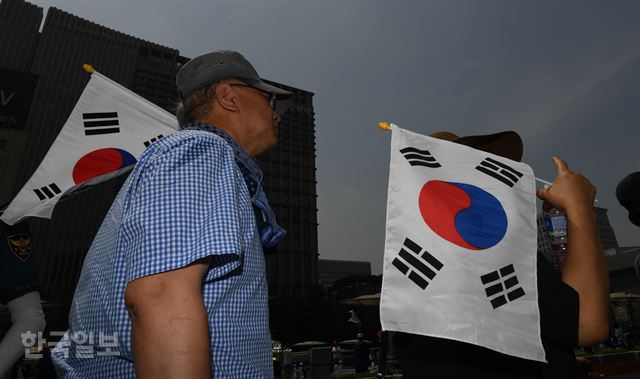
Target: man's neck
point(232, 131)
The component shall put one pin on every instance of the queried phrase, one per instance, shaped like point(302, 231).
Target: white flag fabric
point(460, 251)
point(105, 134)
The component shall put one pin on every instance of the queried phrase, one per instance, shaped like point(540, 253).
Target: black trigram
point(506, 280)
point(47, 192)
point(417, 157)
point(152, 140)
point(500, 171)
point(420, 267)
point(100, 123)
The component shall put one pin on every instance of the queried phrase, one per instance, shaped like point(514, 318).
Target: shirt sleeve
point(183, 206)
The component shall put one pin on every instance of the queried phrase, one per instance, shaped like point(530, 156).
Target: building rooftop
point(624, 259)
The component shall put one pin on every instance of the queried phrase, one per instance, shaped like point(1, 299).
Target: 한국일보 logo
point(463, 214)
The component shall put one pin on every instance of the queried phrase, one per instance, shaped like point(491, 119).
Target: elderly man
point(176, 274)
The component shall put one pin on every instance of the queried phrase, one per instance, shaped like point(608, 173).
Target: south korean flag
point(460, 252)
point(106, 133)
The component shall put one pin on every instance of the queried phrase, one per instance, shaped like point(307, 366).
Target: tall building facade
point(19, 38)
point(290, 184)
point(55, 57)
point(330, 270)
point(607, 235)
point(544, 242)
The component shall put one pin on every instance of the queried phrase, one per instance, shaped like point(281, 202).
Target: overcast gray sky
point(563, 74)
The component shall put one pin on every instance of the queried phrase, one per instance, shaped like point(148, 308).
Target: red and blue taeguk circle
point(463, 214)
point(100, 162)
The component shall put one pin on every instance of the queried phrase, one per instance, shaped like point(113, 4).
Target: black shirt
point(432, 357)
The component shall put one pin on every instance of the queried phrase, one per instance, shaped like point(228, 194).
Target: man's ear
point(226, 97)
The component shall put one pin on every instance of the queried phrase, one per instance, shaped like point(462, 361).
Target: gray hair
point(196, 106)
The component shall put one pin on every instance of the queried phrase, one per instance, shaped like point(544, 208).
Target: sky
point(563, 74)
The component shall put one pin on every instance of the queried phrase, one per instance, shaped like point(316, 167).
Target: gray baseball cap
point(209, 68)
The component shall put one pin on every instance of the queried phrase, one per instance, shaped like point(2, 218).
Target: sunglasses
point(271, 98)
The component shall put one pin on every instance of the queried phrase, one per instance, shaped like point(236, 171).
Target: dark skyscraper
point(607, 235)
point(54, 58)
point(290, 184)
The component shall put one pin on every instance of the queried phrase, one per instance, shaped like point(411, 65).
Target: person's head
point(628, 195)
point(505, 144)
point(222, 88)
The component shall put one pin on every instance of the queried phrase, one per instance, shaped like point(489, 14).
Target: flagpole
point(546, 183)
point(88, 68)
point(387, 126)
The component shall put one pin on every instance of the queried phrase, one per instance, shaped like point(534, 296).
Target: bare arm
point(26, 316)
point(584, 269)
point(169, 325)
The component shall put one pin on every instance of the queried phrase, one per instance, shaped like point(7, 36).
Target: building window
point(3, 146)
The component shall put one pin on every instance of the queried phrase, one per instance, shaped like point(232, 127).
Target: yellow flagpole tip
point(88, 68)
point(385, 125)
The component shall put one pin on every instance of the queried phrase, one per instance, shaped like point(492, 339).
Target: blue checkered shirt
point(185, 200)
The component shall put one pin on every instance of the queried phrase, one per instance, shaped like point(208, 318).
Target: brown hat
point(505, 144)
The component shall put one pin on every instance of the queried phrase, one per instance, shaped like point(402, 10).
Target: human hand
point(570, 191)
